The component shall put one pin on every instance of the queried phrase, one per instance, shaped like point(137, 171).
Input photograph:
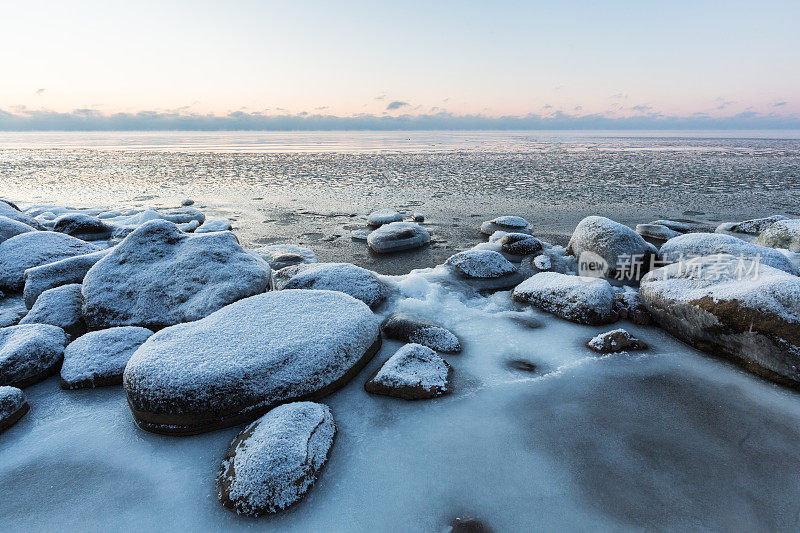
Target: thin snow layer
point(10, 227)
point(691, 246)
point(584, 300)
point(383, 216)
point(656, 231)
point(397, 236)
point(214, 224)
point(782, 234)
point(60, 307)
point(29, 351)
point(262, 350)
point(159, 276)
point(616, 243)
point(350, 279)
point(275, 460)
point(32, 249)
point(70, 270)
point(12, 309)
point(11, 400)
point(100, 356)
point(749, 227)
point(481, 264)
point(282, 255)
point(416, 366)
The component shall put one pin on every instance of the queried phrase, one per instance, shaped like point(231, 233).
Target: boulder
point(628, 305)
point(83, 226)
point(398, 236)
point(159, 276)
point(414, 372)
point(616, 340)
point(656, 231)
point(30, 353)
point(12, 309)
point(60, 307)
point(417, 330)
point(383, 216)
point(350, 279)
point(10, 228)
point(213, 224)
point(742, 310)
point(480, 264)
point(623, 251)
point(520, 244)
point(282, 255)
point(98, 358)
point(582, 300)
point(32, 249)
point(687, 248)
point(674, 225)
point(749, 227)
point(553, 259)
point(70, 270)
point(9, 210)
point(237, 363)
point(506, 223)
point(274, 461)
point(13, 406)
point(782, 234)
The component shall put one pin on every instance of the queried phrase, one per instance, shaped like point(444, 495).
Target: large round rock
point(622, 250)
point(398, 236)
point(244, 359)
point(343, 277)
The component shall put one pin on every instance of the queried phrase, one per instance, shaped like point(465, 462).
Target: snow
point(617, 244)
point(99, 357)
point(481, 264)
point(29, 353)
point(70, 270)
point(10, 227)
point(397, 236)
point(505, 223)
point(60, 307)
point(420, 331)
point(656, 231)
point(275, 460)
point(282, 255)
point(383, 216)
point(413, 372)
point(213, 224)
point(350, 279)
point(583, 300)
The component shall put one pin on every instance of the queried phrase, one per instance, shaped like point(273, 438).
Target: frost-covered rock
point(60, 306)
point(674, 225)
point(656, 231)
point(782, 234)
point(414, 372)
point(359, 235)
point(83, 226)
point(98, 358)
point(213, 224)
point(274, 461)
point(418, 217)
point(12, 309)
point(70, 270)
point(520, 244)
point(350, 279)
point(616, 340)
point(582, 300)
point(749, 227)
point(420, 331)
point(10, 228)
point(280, 256)
point(32, 249)
point(397, 236)
point(628, 305)
point(553, 259)
point(13, 406)
point(7, 209)
point(506, 223)
point(187, 202)
point(687, 248)
point(481, 264)
point(383, 216)
point(186, 218)
point(745, 311)
point(159, 276)
point(30, 353)
point(237, 363)
point(621, 248)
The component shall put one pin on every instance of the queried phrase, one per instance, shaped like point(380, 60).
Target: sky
point(383, 64)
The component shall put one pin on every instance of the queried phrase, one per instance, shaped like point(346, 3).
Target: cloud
point(396, 104)
point(578, 108)
point(619, 96)
point(642, 108)
point(321, 108)
point(380, 97)
point(40, 92)
point(779, 104)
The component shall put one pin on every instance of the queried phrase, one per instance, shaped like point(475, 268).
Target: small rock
point(582, 300)
point(414, 372)
point(213, 224)
point(656, 231)
point(282, 255)
point(522, 365)
point(418, 217)
point(30, 353)
point(617, 340)
point(520, 244)
point(383, 216)
point(187, 202)
point(350, 279)
point(481, 264)
point(554, 259)
point(674, 225)
point(70, 270)
point(60, 307)
point(98, 358)
point(359, 235)
point(420, 331)
point(82, 226)
point(13, 406)
point(397, 236)
point(507, 223)
point(468, 525)
point(782, 234)
point(629, 306)
point(10, 228)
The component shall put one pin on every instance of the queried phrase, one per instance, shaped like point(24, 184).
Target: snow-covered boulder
point(280, 256)
point(742, 310)
point(98, 358)
point(656, 231)
point(582, 300)
point(32, 249)
point(520, 244)
point(480, 264)
point(350, 279)
point(274, 461)
point(782, 234)
point(383, 216)
point(7, 209)
point(13, 406)
point(30, 353)
point(10, 228)
point(159, 276)
point(213, 224)
point(12, 309)
point(70, 270)
point(749, 227)
point(60, 306)
point(417, 330)
point(507, 223)
point(687, 248)
point(414, 372)
point(235, 364)
point(83, 226)
point(398, 236)
point(623, 250)
point(186, 218)
point(616, 340)
point(674, 225)
point(359, 235)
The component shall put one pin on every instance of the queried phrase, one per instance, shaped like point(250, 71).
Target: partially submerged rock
point(511, 224)
point(359, 235)
point(159, 276)
point(280, 256)
point(616, 340)
point(237, 363)
point(742, 310)
point(417, 330)
point(30, 353)
point(782, 234)
point(749, 227)
point(582, 300)
point(213, 224)
point(70, 270)
point(397, 236)
point(13, 406)
point(10, 228)
point(383, 216)
point(274, 461)
point(98, 358)
point(414, 372)
point(622, 250)
point(350, 279)
point(83, 226)
point(481, 264)
point(656, 231)
point(520, 244)
point(60, 307)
